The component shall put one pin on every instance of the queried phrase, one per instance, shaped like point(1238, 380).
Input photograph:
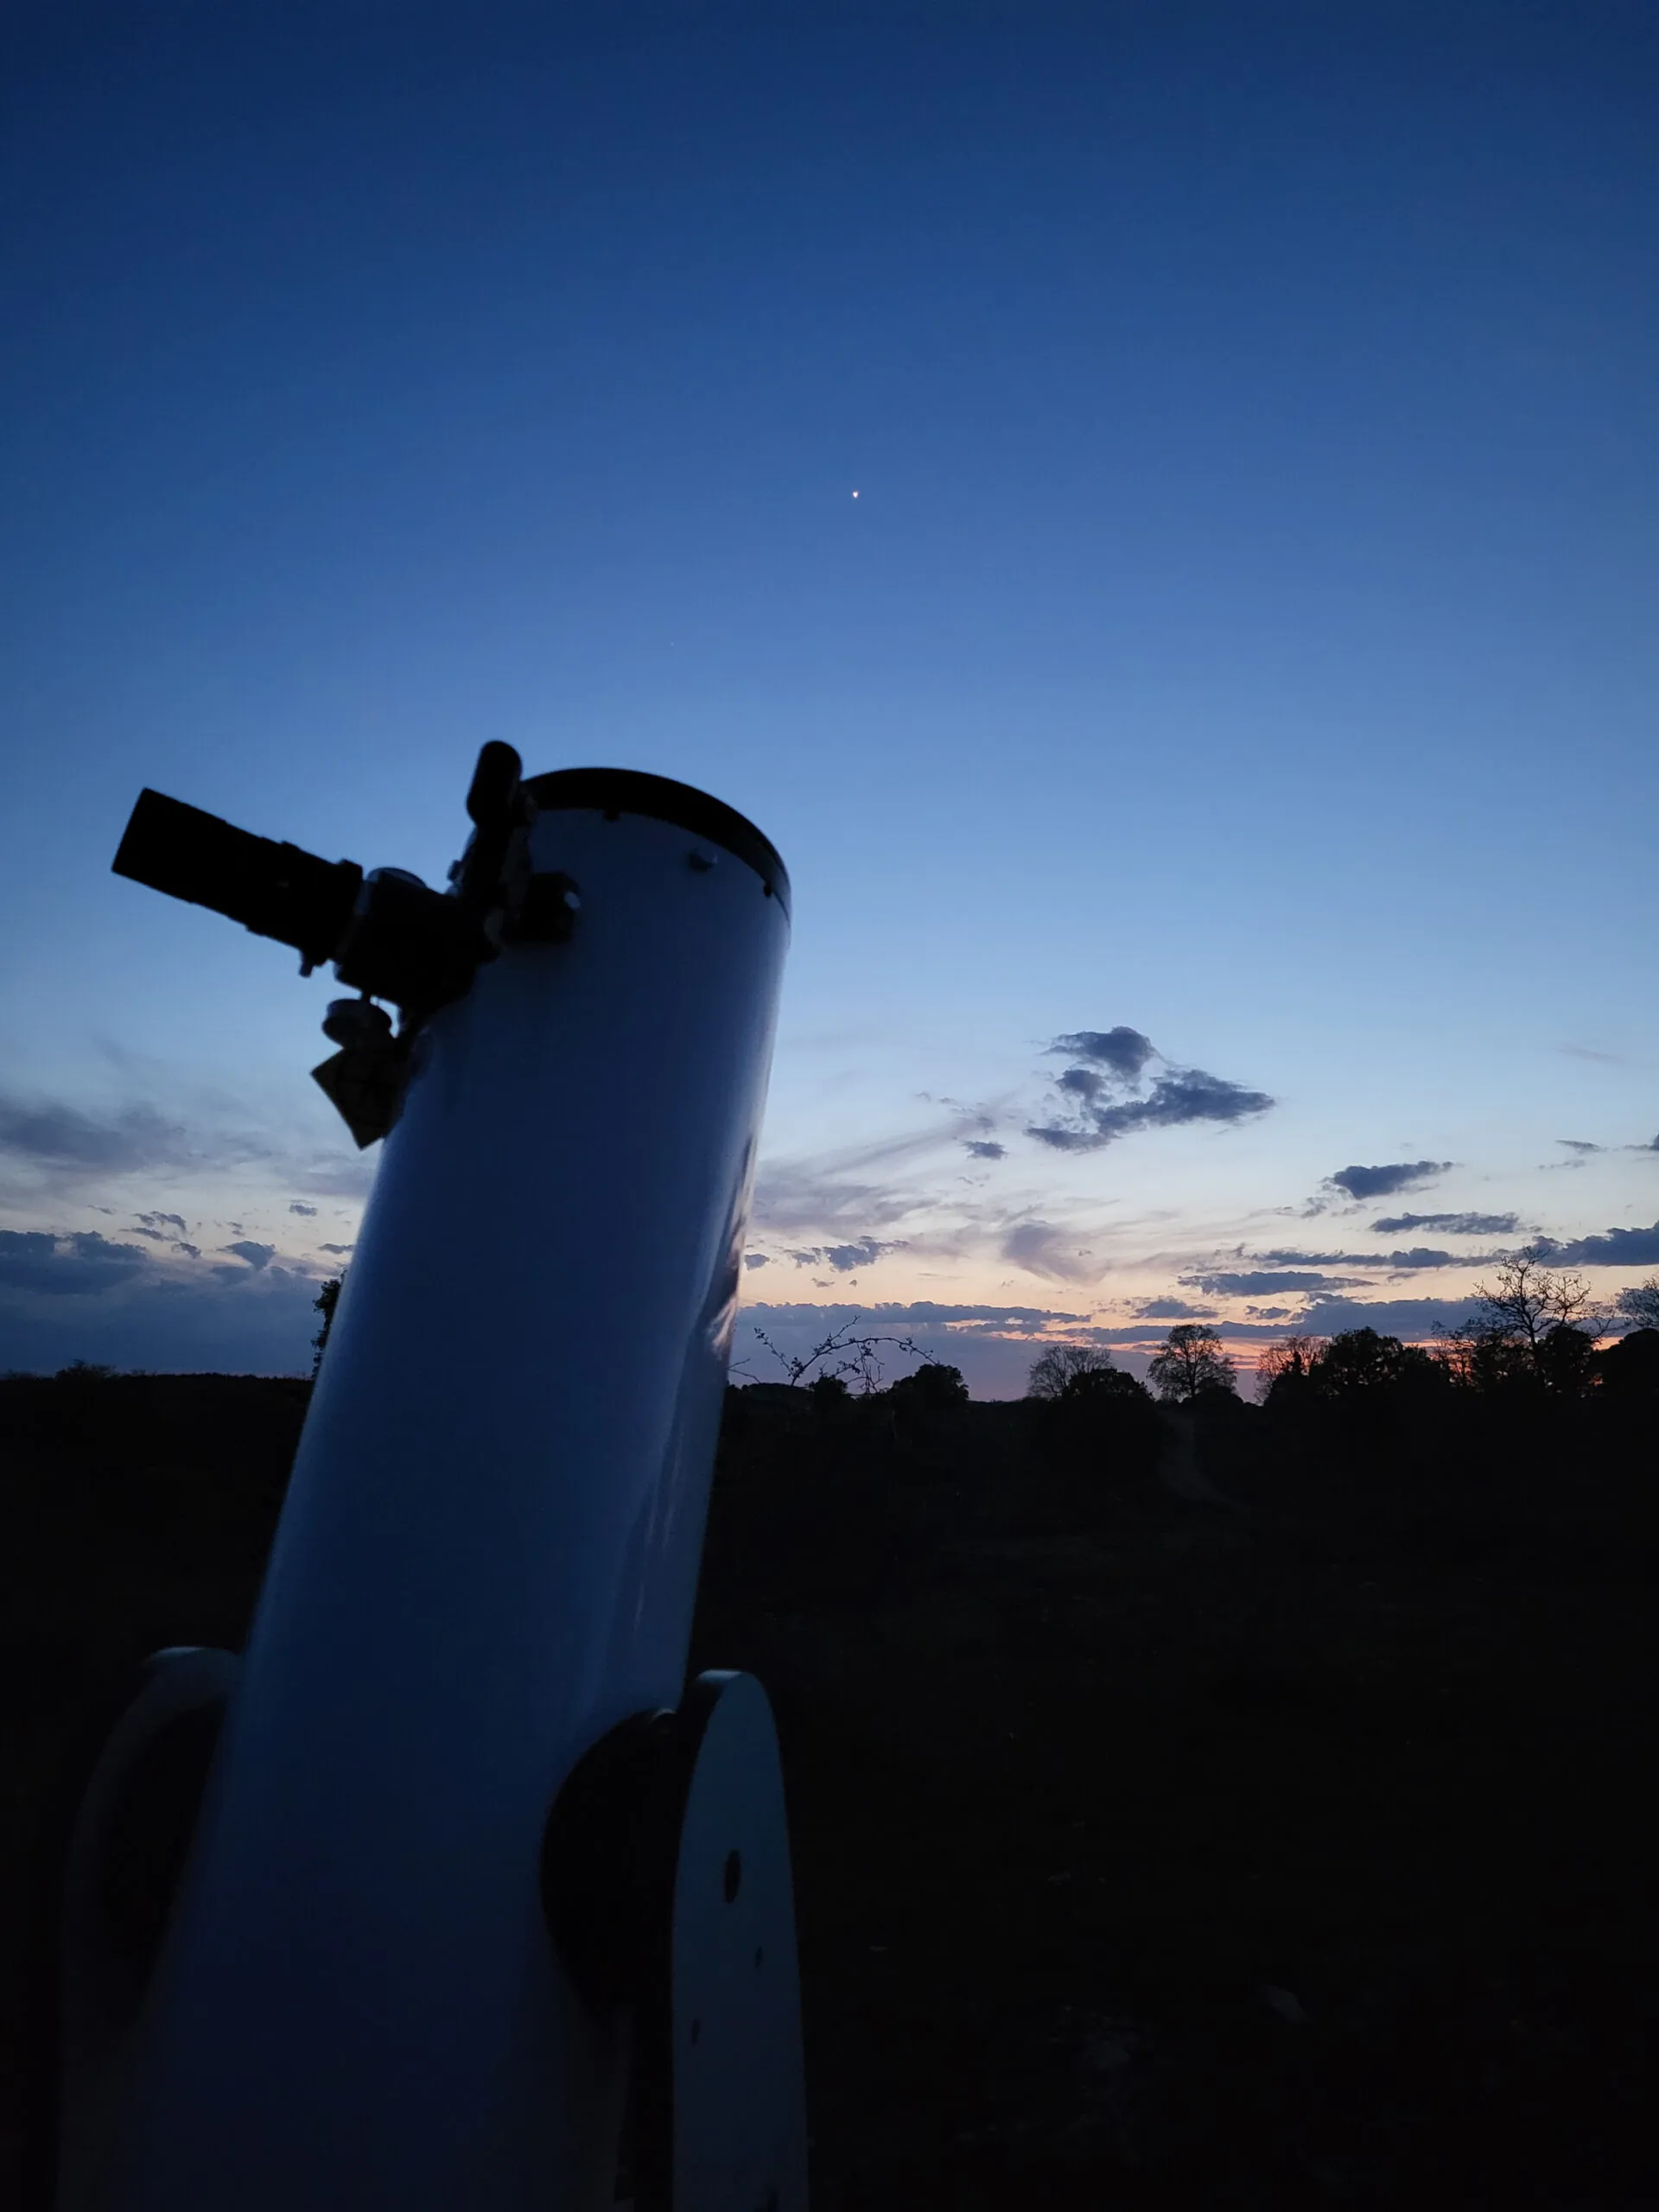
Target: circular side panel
point(739, 2089)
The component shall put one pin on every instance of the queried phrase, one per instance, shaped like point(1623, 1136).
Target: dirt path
point(1178, 1463)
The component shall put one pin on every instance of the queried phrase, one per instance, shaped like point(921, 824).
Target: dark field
point(1295, 1846)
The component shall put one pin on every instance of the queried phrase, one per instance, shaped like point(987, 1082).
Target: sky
point(1151, 509)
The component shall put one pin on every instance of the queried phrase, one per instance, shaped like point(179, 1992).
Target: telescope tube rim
point(660, 799)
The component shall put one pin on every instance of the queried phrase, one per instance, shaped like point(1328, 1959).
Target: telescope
point(451, 1894)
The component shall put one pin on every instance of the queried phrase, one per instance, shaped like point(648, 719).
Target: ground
point(1287, 1846)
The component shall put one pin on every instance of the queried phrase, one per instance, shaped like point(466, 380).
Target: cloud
point(985, 1148)
point(1097, 1100)
point(1184, 1096)
point(71, 1302)
point(257, 1256)
point(1418, 1255)
point(66, 1267)
point(756, 1259)
point(843, 1190)
point(1382, 1182)
point(1041, 1248)
point(1125, 1052)
point(1448, 1224)
point(48, 1144)
point(51, 1136)
point(154, 1223)
point(1577, 1145)
point(1257, 1282)
point(294, 1206)
point(1614, 1247)
point(1172, 1309)
point(337, 1248)
point(1082, 1083)
point(918, 1313)
point(864, 1252)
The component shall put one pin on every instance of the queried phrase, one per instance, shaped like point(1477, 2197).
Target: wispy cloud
point(1043, 1248)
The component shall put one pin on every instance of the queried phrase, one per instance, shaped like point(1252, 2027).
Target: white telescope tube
point(487, 1558)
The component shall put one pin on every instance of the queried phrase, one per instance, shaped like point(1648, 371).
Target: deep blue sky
point(1243, 634)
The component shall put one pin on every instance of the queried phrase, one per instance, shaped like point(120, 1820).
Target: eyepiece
point(274, 890)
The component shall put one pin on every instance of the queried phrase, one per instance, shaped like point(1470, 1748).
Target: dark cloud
point(1614, 1247)
point(1448, 1224)
point(257, 1256)
point(1416, 1320)
point(337, 1248)
point(1125, 1052)
point(154, 1224)
point(1577, 1145)
point(863, 1252)
point(1183, 1095)
point(1172, 1309)
point(756, 1259)
point(1382, 1182)
point(295, 1206)
point(1254, 1283)
point(914, 1313)
point(1419, 1256)
point(66, 1267)
point(178, 1322)
point(984, 1149)
point(1082, 1083)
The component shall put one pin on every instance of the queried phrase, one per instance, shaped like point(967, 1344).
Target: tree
point(1191, 1362)
point(932, 1388)
point(1102, 1386)
point(1054, 1371)
point(1514, 1334)
point(840, 1353)
point(324, 1303)
point(1287, 1368)
point(1640, 1306)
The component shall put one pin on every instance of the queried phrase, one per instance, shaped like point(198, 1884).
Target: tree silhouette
point(931, 1389)
point(324, 1303)
point(841, 1353)
point(1052, 1372)
point(1191, 1362)
point(1640, 1305)
point(1286, 1368)
point(1516, 1334)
